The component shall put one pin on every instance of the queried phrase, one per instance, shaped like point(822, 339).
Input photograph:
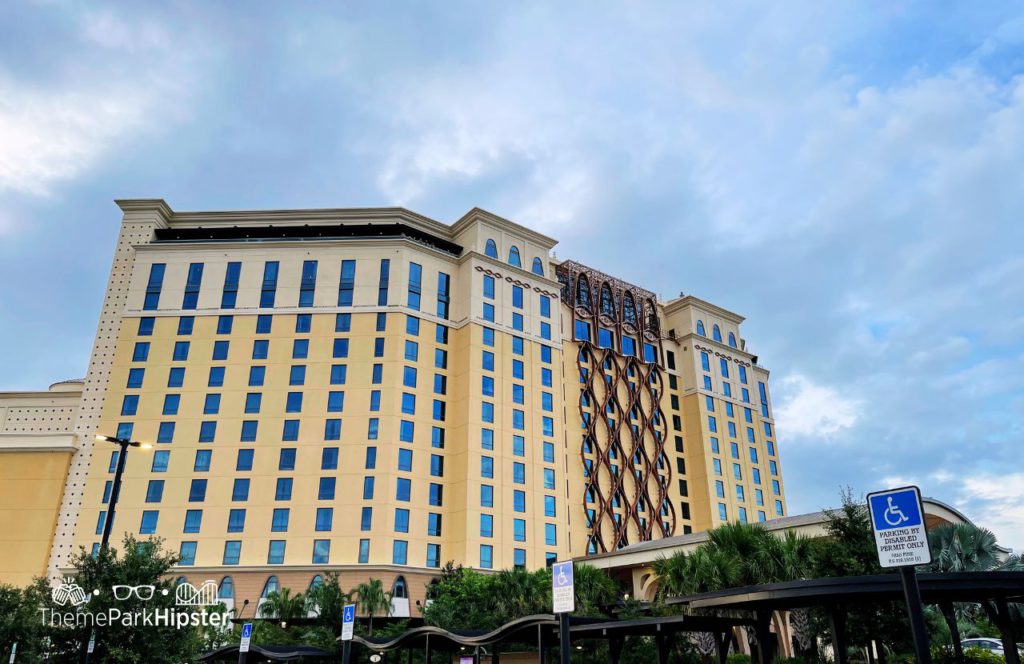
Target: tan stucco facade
point(36, 446)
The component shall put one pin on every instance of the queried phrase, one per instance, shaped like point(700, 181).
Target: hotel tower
point(375, 393)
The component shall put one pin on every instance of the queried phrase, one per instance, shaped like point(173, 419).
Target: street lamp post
point(115, 492)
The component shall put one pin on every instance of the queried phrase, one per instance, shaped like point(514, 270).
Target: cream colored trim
point(690, 300)
point(36, 442)
point(479, 214)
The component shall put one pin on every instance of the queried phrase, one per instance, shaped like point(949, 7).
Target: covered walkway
point(993, 590)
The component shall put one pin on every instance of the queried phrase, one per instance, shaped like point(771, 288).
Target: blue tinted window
point(180, 351)
point(220, 350)
point(240, 490)
point(135, 377)
point(326, 488)
point(197, 491)
point(244, 460)
point(284, 489)
point(207, 432)
point(252, 402)
point(338, 374)
point(171, 402)
point(275, 553)
point(216, 378)
point(153, 286)
point(141, 351)
point(146, 326)
point(225, 324)
point(249, 430)
point(290, 430)
point(187, 554)
point(160, 460)
point(165, 433)
point(264, 323)
point(193, 521)
point(260, 348)
point(203, 458)
point(332, 429)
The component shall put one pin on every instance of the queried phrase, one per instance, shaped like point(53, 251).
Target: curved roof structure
point(417, 635)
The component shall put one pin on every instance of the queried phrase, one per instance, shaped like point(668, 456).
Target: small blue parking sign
point(243, 645)
point(348, 621)
point(897, 520)
point(563, 587)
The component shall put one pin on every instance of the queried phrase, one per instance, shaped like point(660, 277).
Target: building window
point(194, 521)
point(486, 556)
point(154, 286)
point(433, 555)
point(346, 285)
point(231, 278)
point(382, 284)
point(364, 550)
point(400, 552)
point(275, 553)
point(513, 256)
point(268, 291)
point(321, 552)
point(415, 285)
point(443, 298)
point(491, 249)
point(187, 554)
point(538, 267)
point(192, 284)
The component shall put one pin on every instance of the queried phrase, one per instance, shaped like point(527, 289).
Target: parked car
point(994, 646)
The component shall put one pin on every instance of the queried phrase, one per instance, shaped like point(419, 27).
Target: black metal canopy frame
point(993, 590)
point(273, 653)
point(543, 629)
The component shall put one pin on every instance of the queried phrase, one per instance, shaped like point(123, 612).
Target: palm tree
point(283, 606)
point(963, 547)
point(594, 590)
point(373, 599)
point(736, 554)
point(518, 593)
point(328, 600)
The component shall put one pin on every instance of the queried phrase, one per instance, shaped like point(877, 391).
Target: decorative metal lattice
point(624, 429)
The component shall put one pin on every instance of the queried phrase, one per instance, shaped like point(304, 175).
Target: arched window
point(513, 256)
point(607, 301)
point(700, 329)
point(271, 586)
point(491, 249)
point(399, 588)
point(316, 581)
point(227, 588)
point(629, 309)
point(180, 580)
point(716, 333)
point(732, 340)
point(538, 267)
point(582, 292)
point(650, 315)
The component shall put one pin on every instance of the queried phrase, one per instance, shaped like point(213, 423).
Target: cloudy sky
point(850, 178)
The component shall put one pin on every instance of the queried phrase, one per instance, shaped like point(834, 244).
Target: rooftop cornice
point(690, 300)
point(479, 214)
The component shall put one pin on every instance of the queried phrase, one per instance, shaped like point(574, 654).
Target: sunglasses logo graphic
point(145, 592)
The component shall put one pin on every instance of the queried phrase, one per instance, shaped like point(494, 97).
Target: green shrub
point(980, 656)
point(738, 658)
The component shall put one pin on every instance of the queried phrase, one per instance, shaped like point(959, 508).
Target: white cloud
point(809, 410)
point(49, 136)
point(996, 502)
point(55, 130)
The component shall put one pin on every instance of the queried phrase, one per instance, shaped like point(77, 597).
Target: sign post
point(243, 645)
point(348, 623)
point(563, 592)
point(901, 538)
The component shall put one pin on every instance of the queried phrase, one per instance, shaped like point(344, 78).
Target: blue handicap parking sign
point(247, 630)
point(896, 509)
point(350, 614)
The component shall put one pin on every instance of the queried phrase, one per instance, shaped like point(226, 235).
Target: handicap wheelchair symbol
point(563, 580)
point(893, 515)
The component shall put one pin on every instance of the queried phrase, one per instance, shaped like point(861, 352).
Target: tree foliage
point(465, 599)
point(136, 563)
